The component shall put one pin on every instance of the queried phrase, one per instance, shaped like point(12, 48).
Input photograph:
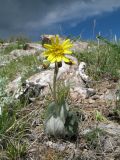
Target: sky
point(84, 18)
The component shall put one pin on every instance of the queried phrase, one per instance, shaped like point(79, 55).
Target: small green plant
point(62, 91)
point(99, 117)
point(15, 150)
point(116, 110)
point(93, 137)
point(10, 48)
point(116, 113)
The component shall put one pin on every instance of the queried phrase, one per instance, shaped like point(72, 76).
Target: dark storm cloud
point(33, 16)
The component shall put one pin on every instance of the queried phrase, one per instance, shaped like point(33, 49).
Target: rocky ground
point(98, 137)
point(96, 140)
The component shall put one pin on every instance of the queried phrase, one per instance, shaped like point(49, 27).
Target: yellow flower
point(56, 51)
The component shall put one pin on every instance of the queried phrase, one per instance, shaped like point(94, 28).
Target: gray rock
point(60, 146)
point(36, 46)
point(20, 52)
point(110, 94)
point(111, 128)
point(13, 87)
point(79, 46)
point(109, 144)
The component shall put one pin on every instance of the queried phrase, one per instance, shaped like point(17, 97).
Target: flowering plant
point(55, 53)
point(59, 120)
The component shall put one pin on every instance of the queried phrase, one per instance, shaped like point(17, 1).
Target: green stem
point(54, 82)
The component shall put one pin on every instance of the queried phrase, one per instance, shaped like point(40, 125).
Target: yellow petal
point(66, 42)
point(47, 46)
point(50, 57)
point(59, 59)
point(67, 46)
point(65, 59)
point(53, 60)
point(46, 53)
point(67, 51)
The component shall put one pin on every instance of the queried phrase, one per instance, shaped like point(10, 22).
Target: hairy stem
point(54, 82)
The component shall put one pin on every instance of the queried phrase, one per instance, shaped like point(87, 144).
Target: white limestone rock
point(73, 75)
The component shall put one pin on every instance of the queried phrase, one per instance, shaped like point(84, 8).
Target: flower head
point(56, 50)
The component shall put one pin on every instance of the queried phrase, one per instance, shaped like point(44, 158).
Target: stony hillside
point(25, 80)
